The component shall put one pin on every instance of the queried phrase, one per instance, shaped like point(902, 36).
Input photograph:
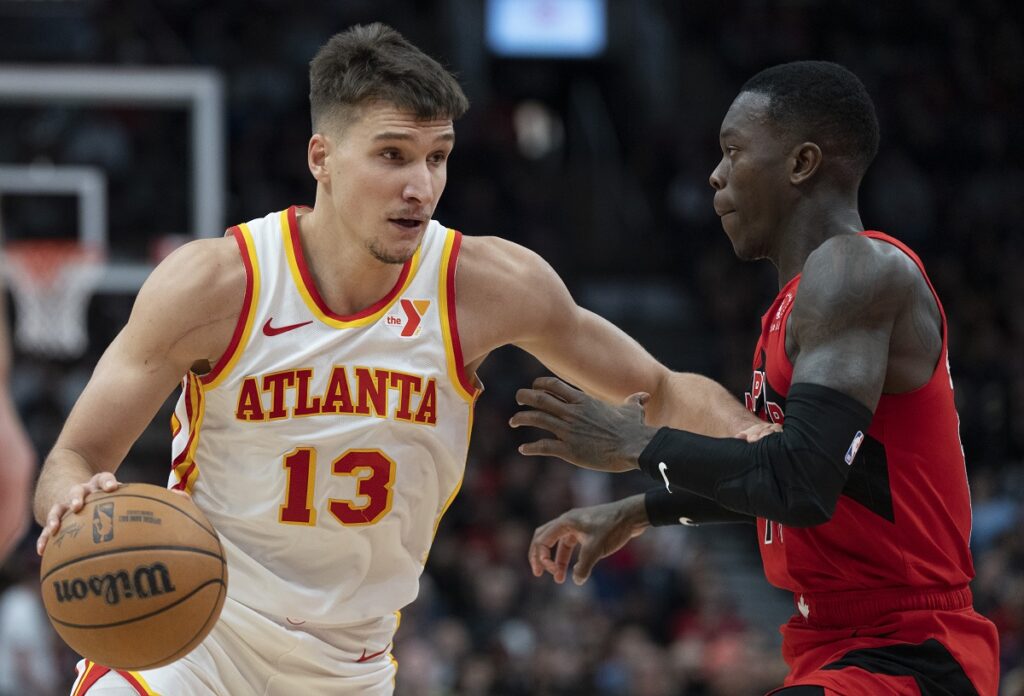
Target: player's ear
point(806, 160)
point(316, 157)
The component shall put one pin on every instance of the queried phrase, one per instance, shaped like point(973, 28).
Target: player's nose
point(419, 187)
point(717, 178)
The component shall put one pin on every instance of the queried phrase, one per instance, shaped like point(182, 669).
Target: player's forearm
point(63, 469)
point(794, 477)
point(692, 402)
point(669, 506)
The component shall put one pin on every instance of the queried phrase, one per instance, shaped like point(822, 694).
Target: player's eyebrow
point(448, 136)
point(728, 133)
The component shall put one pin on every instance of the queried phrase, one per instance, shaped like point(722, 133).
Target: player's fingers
point(540, 399)
point(44, 537)
point(756, 432)
point(76, 496)
point(105, 481)
point(547, 448)
point(537, 419)
point(563, 554)
point(540, 546)
point(52, 525)
point(590, 554)
point(639, 399)
point(559, 388)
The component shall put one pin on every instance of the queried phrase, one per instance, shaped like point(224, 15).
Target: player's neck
point(347, 276)
point(806, 230)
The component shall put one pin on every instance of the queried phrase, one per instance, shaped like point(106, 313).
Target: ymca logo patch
point(408, 322)
point(854, 446)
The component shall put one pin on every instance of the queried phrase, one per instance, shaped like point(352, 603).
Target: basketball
point(136, 579)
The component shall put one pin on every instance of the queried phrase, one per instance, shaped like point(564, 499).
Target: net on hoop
point(51, 282)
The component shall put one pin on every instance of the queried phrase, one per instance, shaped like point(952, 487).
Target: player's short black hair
point(822, 102)
point(373, 62)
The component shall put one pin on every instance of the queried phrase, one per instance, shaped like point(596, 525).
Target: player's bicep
point(123, 394)
point(174, 322)
point(843, 319)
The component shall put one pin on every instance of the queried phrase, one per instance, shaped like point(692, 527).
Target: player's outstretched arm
point(601, 530)
point(184, 314)
point(514, 297)
point(850, 297)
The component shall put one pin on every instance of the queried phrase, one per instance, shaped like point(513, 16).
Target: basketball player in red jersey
point(861, 502)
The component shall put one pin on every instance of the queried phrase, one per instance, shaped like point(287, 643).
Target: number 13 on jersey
point(375, 473)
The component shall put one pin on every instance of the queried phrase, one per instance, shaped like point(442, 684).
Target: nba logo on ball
point(854, 446)
point(103, 523)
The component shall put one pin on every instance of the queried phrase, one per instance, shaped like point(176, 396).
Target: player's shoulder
point(851, 266)
point(200, 273)
point(497, 251)
point(500, 263)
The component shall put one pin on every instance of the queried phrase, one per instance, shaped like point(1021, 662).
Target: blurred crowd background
point(599, 163)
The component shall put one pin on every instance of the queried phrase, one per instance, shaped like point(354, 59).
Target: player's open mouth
point(408, 223)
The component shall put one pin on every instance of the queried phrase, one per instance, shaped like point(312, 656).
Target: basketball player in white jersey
point(329, 359)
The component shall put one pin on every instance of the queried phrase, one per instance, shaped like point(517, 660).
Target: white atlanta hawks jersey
point(326, 448)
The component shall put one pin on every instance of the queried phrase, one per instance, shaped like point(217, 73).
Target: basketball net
point(51, 282)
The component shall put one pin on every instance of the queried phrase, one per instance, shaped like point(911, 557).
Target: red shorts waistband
point(859, 607)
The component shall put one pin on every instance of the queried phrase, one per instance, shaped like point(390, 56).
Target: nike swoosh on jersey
point(269, 330)
point(367, 658)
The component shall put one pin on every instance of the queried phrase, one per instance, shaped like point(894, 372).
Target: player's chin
point(395, 251)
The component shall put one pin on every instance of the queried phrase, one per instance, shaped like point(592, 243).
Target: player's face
point(752, 191)
point(386, 172)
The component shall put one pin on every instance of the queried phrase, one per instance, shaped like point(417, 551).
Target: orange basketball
point(136, 579)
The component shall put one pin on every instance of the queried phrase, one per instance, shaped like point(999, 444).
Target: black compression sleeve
point(794, 477)
point(679, 506)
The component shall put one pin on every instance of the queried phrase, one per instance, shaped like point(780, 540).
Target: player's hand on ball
point(587, 432)
point(598, 531)
point(73, 502)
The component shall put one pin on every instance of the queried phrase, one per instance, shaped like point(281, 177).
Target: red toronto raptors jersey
point(904, 518)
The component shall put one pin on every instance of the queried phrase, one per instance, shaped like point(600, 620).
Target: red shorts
point(918, 652)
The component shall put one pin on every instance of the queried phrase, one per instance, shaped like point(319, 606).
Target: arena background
point(600, 163)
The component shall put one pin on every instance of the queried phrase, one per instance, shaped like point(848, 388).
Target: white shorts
point(248, 653)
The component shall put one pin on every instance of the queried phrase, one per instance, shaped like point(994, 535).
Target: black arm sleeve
point(678, 506)
point(794, 477)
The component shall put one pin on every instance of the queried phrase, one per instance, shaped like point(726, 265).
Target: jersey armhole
point(466, 385)
point(243, 327)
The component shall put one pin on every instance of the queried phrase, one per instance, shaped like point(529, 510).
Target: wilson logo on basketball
point(146, 581)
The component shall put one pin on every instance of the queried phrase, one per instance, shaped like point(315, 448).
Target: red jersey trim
point(307, 286)
point(244, 324)
point(90, 675)
point(940, 365)
point(457, 366)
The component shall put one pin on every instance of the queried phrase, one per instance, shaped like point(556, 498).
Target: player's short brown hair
point(373, 62)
